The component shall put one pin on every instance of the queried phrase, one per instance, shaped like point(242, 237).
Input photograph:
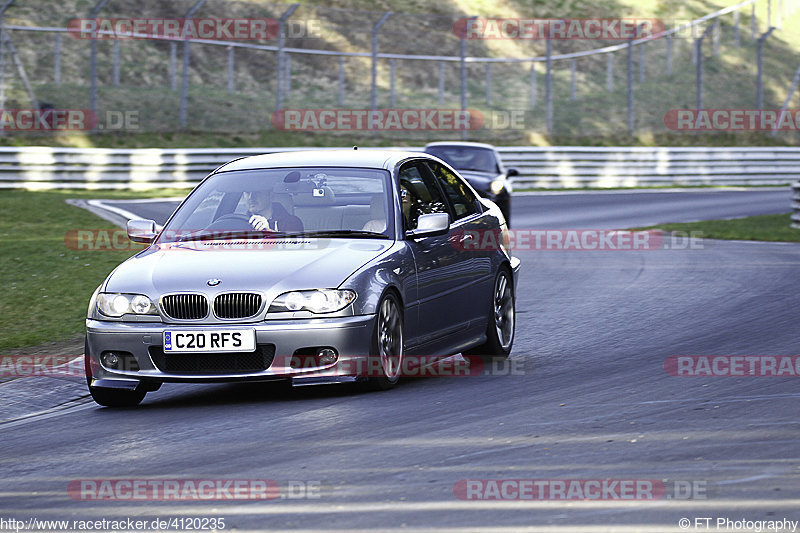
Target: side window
point(463, 201)
point(418, 193)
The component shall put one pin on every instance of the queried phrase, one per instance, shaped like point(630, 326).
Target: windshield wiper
point(229, 234)
point(338, 233)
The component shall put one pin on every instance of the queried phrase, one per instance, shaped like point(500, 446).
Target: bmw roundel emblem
point(213, 282)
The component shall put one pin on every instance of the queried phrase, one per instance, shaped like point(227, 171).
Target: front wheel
point(500, 330)
point(387, 343)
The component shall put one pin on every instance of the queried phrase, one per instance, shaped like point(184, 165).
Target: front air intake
point(237, 305)
point(185, 306)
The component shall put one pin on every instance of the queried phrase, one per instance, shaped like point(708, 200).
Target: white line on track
point(78, 404)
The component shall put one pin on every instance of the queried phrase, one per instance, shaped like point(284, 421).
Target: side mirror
point(143, 231)
point(430, 224)
point(511, 172)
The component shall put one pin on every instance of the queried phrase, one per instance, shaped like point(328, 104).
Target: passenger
point(378, 222)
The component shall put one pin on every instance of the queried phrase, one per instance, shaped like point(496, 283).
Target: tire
point(387, 343)
point(117, 397)
point(500, 330)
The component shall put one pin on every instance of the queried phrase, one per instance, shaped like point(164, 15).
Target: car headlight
point(497, 186)
point(116, 304)
point(316, 301)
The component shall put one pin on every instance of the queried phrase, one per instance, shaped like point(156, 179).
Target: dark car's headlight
point(117, 304)
point(497, 186)
point(316, 301)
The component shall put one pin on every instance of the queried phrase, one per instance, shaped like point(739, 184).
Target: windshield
point(466, 157)
point(330, 202)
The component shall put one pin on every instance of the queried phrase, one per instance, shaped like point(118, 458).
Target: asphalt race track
point(586, 398)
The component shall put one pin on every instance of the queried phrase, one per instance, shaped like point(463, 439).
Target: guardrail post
point(548, 87)
point(796, 205)
point(3, 9)
point(441, 83)
point(185, 73)
point(340, 96)
point(715, 37)
point(641, 63)
point(610, 72)
point(57, 60)
point(760, 68)
point(173, 65)
point(669, 55)
point(533, 89)
point(231, 65)
point(572, 75)
point(391, 83)
point(630, 84)
point(373, 101)
point(785, 106)
point(93, 61)
point(115, 67)
point(736, 28)
point(279, 66)
point(463, 52)
point(698, 46)
point(287, 75)
point(488, 84)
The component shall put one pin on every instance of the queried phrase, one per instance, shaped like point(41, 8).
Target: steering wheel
point(231, 221)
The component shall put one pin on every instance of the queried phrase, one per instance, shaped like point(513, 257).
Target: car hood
point(271, 267)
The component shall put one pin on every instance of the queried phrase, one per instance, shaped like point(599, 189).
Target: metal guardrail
point(539, 167)
point(643, 166)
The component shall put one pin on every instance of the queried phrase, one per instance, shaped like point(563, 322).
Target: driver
point(268, 215)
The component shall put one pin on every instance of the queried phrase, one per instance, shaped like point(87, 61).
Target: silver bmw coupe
point(309, 266)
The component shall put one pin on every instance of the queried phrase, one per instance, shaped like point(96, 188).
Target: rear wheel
point(500, 330)
point(387, 343)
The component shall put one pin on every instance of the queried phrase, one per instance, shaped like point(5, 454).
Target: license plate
point(209, 340)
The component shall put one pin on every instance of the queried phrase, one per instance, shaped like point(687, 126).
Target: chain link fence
point(322, 58)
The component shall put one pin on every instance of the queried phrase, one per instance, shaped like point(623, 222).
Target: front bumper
point(350, 336)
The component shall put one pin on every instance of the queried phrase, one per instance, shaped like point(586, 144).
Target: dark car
point(480, 164)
